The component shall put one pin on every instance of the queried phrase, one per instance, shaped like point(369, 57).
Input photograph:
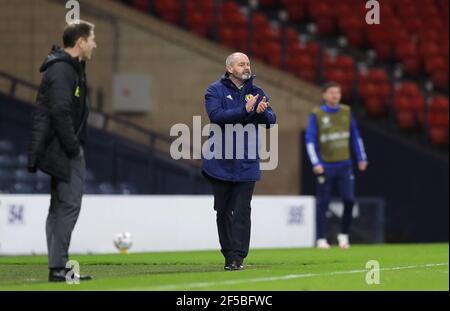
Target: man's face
point(240, 68)
point(87, 46)
point(332, 95)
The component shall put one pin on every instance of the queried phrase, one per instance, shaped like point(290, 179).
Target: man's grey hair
point(230, 59)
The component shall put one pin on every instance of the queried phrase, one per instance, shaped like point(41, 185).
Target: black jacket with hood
point(59, 126)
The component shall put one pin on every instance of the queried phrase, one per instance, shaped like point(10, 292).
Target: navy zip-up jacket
point(225, 104)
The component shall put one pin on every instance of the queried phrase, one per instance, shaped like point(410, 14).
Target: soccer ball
point(122, 241)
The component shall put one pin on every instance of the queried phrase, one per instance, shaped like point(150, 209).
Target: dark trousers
point(65, 205)
point(232, 205)
point(343, 178)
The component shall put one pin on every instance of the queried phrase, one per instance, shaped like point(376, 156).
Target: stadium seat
point(272, 54)
point(420, 45)
point(354, 29)
point(23, 188)
point(375, 107)
point(440, 78)
point(436, 64)
point(107, 188)
point(142, 5)
point(90, 188)
point(90, 177)
point(22, 161)
point(234, 37)
point(168, 10)
point(302, 60)
point(6, 179)
point(42, 177)
point(409, 106)
point(295, 9)
point(438, 136)
point(23, 176)
point(342, 70)
point(291, 36)
point(267, 3)
point(437, 119)
point(127, 188)
point(7, 161)
point(407, 53)
point(199, 16)
point(302, 66)
point(42, 187)
point(375, 91)
point(6, 147)
point(323, 15)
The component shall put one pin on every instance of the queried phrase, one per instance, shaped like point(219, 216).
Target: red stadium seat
point(409, 89)
point(351, 23)
point(169, 10)
point(404, 108)
point(403, 21)
point(142, 5)
point(435, 64)
point(291, 36)
point(303, 66)
point(199, 16)
point(409, 106)
point(413, 33)
point(267, 3)
point(323, 14)
point(438, 110)
point(438, 135)
point(310, 49)
point(375, 107)
point(405, 49)
point(438, 123)
point(234, 37)
point(412, 65)
point(377, 75)
point(230, 15)
point(375, 90)
point(295, 9)
point(260, 21)
point(384, 51)
point(406, 120)
point(440, 78)
point(272, 54)
point(429, 49)
point(342, 70)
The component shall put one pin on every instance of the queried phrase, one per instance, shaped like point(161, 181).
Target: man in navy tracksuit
point(235, 100)
point(330, 135)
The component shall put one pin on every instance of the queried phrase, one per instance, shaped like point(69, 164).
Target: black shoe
point(227, 265)
point(59, 275)
point(237, 265)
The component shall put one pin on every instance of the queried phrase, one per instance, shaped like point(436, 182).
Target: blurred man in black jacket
point(59, 132)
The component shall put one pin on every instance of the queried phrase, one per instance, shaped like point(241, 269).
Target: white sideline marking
point(289, 277)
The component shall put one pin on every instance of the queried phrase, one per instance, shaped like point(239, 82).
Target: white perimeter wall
point(157, 223)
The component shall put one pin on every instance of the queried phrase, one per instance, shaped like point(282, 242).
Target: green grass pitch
point(402, 267)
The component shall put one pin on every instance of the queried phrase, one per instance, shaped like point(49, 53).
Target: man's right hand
point(251, 103)
point(318, 169)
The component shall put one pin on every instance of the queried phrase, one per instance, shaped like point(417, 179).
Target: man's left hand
point(362, 165)
point(262, 106)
